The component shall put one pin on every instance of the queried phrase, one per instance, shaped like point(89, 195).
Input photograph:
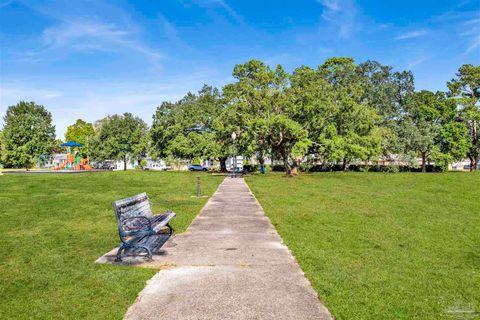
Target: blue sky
point(87, 59)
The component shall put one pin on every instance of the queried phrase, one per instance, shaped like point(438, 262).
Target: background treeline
point(338, 114)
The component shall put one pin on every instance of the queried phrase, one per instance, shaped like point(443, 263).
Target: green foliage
point(27, 133)
point(184, 129)
point(1, 145)
point(120, 137)
point(465, 90)
point(430, 128)
point(392, 168)
point(261, 110)
point(80, 132)
point(340, 112)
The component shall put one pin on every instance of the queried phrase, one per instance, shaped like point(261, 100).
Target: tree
point(262, 110)
point(429, 129)
point(386, 91)
point(250, 100)
point(27, 133)
point(313, 106)
point(465, 89)
point(223, 127)
point(1, 145)
point(120, 137)
point(286, 138)
point(185, 129)
point(352, 132)
point(80, 132)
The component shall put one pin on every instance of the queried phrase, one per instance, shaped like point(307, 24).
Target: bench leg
point(149, 252)
point(119, 254)
point(122, 248)
point(170, 230)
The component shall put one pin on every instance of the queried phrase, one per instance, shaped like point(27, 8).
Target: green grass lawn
point(53, 228)
point(382, 246)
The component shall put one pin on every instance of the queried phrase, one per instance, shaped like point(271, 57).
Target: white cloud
point(475, 21)
point(411, 34)
point(342, 14)
point(92, 34)
point(209, 4)
point(415, 62)
point(168, 28)
point(331, 4)
point(221, 3)
point(474, 44)
point(473, 34)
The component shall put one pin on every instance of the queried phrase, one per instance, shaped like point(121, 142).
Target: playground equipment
point(73, 160)
point(45, 160)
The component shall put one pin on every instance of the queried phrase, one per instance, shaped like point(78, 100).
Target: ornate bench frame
point(138, 227)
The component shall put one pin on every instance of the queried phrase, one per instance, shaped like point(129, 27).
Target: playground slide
point(60, 167)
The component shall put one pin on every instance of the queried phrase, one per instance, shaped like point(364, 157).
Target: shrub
point(392, 168)
point(365, 168)
point(278, 168)
point(251, 168)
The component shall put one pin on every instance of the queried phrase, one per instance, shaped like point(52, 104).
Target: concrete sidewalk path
point(229, 264)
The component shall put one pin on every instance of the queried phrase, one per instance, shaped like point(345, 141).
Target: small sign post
point(199, 193)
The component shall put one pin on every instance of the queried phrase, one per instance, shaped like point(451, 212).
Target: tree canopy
point(27, 133)
point(185, 129)
point(337, 113)
point(120, 137)
point(81, 131)
point(465, 89)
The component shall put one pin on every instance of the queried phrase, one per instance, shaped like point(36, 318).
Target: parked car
point(104, 165)
point(197, 167)
point(156, 167)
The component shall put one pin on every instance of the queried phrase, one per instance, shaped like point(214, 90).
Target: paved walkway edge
point(229, 264)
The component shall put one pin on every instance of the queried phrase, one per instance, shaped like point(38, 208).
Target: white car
point(156, 167)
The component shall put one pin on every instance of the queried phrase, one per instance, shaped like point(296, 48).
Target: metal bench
point(138, 228)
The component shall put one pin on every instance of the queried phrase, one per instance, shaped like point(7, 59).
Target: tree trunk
point(424, 167)
point(473, 163)
point(124, 163)
point(345, 163)
point(288, 170)
point(262, 164)
point(295, 167)
point(474, 155)
point(223, 164)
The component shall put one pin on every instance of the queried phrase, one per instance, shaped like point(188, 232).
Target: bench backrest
point(138, 205)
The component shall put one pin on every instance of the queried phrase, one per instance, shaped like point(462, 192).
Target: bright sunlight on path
point(229, 264)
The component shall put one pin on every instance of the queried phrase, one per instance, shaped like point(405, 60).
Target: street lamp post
point(234, 172)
